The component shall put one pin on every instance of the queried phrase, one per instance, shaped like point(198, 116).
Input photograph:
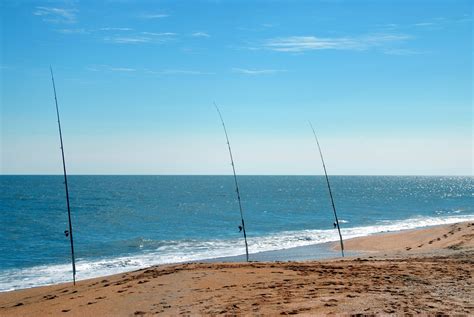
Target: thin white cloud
point(297, 44)
point(142, 37)
point(466, 18)
point(127, 39)
point(200, 34)
point(97, 68)
point(257, 28)
point(73, 31)
point(56, 15)
point(257, 71)
point(159, 34)
point(179, 72)
point(115, 29)
point(442, 22)
point(402, 52)
point(86, 31)
point(388, 26)
point(109, 68)
point(154, 16)
point(122, 69)
point(425, 24)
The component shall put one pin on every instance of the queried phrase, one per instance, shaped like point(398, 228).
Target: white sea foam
point(193, 250)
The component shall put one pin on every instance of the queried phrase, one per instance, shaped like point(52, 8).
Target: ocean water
point(123, 223)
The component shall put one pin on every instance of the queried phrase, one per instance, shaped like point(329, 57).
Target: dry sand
point(427, 271)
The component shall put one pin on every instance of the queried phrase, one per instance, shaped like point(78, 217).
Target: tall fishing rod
point(67, 232)
point(236, 184)
point(329, 188)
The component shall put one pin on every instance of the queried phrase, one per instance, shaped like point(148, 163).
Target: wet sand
point(426, 271)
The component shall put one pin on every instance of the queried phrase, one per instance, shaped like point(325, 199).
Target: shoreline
point(307, 245)
point(427, 270)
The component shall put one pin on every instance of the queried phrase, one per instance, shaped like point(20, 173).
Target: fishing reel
point(66, 233)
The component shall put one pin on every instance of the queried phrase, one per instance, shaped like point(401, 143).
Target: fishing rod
point(66, 232)
point(329, 188)
point(236, 184)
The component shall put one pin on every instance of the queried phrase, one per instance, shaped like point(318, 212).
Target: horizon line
point(375, 175)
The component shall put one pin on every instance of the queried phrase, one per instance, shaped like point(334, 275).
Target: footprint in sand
point(291, 312)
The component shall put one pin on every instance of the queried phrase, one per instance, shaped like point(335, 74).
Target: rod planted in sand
point(329, 188)
point(69, 232)
point(236, 183)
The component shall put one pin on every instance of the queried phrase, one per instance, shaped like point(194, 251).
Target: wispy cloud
point(159, 34)
point(127, 39)
point(433, 24)
point(311, 43)
point(465, 18)
point(396, 27)
point(154, 16)
point(425, 24)
point(142, 37)
point(179, 72)
point(402, 52)
point(115, 29)
point(56, 15)
point(89, 31)
point(200, 34)
point(122, 69)
point(257, 71)
point(92, 68)
point(257, 28)
point(388, 27)
point(73, 31)
point(97, 68)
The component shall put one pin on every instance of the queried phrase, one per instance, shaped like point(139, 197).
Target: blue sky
point(387, 84)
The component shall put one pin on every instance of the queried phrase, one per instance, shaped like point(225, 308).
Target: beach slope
point(417, 271)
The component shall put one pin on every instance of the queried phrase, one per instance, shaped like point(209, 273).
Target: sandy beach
point(425, 271)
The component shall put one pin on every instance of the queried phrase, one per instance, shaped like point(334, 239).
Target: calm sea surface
point(127, 222)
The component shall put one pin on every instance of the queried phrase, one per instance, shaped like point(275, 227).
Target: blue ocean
point(122, 223)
